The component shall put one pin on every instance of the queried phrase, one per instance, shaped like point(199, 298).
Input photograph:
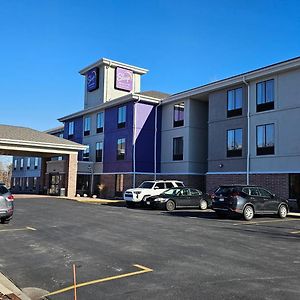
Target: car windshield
point(173, 192)
point(225, 190)
point(146, 185)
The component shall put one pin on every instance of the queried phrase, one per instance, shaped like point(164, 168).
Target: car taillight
point(235, 194)
point(10, 198)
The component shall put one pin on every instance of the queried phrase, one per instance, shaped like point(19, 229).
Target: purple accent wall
point(112, 133)
point(78, 132)
point(145, 123)
point(145, 128)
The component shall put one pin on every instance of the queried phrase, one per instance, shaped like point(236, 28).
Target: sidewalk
point(9, 291)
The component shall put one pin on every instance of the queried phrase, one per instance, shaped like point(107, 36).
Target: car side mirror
point(273, 195)
point(156, 187)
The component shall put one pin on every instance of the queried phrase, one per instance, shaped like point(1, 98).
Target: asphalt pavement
point(122, 253)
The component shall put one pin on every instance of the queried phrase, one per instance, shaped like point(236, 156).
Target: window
point(14, 181)
point(36, 162)
point(169, 185)
point(87, 126)
point(22, 163)
point(178, 148)
point(15, 164)
point(234, 142)
point(265, 95)
point(121, 149)
point(265, 139)
point(121, 117)
point(61, 135)
point(264, 193)
point(234, 102)
point(71, 129)
point(178, 114)
point(86, 154)
point(28, 163)
point(195, 193)
point(160, 185)
point(34, 182)
point(99, 151)
point(27, 183)
point(100, 122)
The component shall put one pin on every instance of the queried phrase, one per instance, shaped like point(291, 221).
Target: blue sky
point(183, 43)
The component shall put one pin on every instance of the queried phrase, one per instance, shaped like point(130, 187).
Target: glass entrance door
point(54, 184)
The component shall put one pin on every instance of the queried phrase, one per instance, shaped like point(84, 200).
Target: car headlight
point(160, 200)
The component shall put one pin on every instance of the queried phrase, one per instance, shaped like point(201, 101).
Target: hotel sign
point(92, 79)
point(123, 79)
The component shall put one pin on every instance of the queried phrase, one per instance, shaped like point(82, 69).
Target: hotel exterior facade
point(241, 129)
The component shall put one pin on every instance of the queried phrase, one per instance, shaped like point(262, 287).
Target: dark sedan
point(247, 201)
point(179, 197)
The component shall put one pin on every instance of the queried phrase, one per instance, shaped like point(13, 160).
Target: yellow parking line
point(261, 222)
point(143, 270)
point(18, 229)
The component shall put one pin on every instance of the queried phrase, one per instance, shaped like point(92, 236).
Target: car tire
point(203, 204)
point(282, 211)
point(170, 205)
point(4, 220)
point(248, 213)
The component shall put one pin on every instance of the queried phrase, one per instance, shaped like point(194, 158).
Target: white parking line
point(18, 229)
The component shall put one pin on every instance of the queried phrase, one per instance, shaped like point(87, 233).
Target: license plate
point(221, 199)
point(148, 202)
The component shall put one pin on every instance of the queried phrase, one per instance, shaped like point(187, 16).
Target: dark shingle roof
point(155, 94)
point(24, 134)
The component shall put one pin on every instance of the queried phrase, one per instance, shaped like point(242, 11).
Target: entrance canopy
point(22, 141)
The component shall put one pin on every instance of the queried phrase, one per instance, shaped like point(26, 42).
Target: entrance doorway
point(55, 180)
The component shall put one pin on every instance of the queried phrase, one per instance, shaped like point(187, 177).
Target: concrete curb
point(9, 289)
point(91, 200)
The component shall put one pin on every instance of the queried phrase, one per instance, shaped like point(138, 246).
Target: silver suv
point(6, 204)
point(148, 189)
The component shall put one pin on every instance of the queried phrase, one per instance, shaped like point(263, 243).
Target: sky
point(184, 44)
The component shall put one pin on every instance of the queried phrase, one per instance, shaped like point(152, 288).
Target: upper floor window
point(265, 95)
point(22, 163)
point(87, 125)
point(15, 164)
point(121, 149)
point(234, 142)
point(100, 122)
point(99, 151)
point(234, 102)
point(28, 163)
point(178, 148)
point(265, 142)
point(178, 114)
point(121, 117)
point(71, 129)
point(36, 162)
point(61, 135)
point(86, 154)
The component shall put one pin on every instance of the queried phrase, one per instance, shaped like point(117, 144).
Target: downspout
point(134, 140)
point(106, 81)
point(248, 131)
point(155, 140)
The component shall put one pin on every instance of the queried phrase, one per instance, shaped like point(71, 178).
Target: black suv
point(247, 200)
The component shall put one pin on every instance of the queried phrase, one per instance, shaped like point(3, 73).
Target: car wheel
point(3, 220)
point(203, 204)
point(282, 211)
point(170, 205)
point(248, 213)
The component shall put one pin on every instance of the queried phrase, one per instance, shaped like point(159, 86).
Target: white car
point(148, 189)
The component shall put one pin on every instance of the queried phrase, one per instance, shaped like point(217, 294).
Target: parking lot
point(123, 253)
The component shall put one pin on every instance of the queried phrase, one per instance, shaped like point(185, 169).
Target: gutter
point(248, 131)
